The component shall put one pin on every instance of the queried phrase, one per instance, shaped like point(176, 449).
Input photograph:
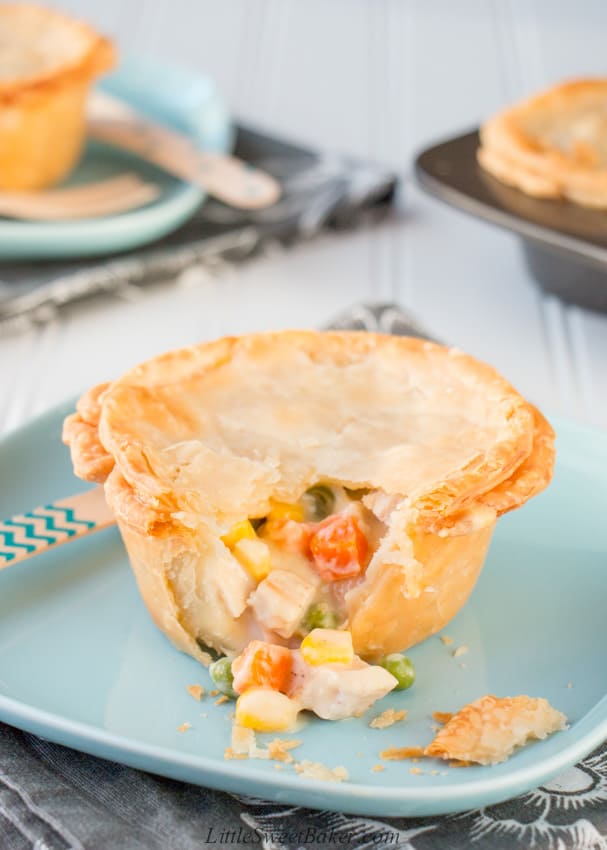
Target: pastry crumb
point(317, 770)
point(490, 729)
point(184, 727)
point(243, 739)
point(244, 744)
point(434, 773)
point(220, 700)
point(460, 650)
point(203, 714)
point(196, 691)
point(401, 753)
point(215, 692)
point(229, 754)
point(446, 640)
point(277, 767)
point(387, 718)
point(442, 716)
point(377, 768)
point(415, 770)
point(278, 749)
point(569, 684)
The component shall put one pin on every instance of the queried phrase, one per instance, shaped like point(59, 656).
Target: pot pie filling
point(298, 564)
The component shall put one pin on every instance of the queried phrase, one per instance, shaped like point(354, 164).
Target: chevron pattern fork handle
point(28, 534)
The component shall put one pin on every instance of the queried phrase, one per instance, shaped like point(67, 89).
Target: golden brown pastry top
point(553, 144)
point(218, 429)
point(40, 47)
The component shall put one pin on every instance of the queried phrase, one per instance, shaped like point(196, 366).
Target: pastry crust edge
point(100, 435)
point(97, 57)
point(510, 154)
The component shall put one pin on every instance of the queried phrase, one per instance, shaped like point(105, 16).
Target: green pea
point(319, 502)
point(222, 676)
point(319, 616)
point(401, 668)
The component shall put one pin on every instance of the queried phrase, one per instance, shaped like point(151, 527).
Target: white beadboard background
point(377, 78)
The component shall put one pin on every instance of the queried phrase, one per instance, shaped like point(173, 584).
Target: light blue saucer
point(181, 99)
point(82, 664)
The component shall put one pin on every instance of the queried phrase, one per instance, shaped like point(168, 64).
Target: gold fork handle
point(226, 178)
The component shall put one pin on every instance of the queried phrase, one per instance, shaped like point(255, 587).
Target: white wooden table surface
point(378, 78)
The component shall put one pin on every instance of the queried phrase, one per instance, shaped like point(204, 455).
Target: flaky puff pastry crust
point(195, 440)
point(490, 729)
point(553, 145)
point(47, 64)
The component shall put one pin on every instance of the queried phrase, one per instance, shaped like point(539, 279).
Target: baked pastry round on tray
point(47, 64)
point(553, 145)
point(272, 483)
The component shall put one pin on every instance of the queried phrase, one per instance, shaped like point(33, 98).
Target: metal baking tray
point(564, 245)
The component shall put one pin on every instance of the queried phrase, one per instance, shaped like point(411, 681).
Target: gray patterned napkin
point(53, 798)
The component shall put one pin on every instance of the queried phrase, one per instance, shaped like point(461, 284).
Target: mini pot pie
point(280, 489)
point(553, 145)
point(47, 64)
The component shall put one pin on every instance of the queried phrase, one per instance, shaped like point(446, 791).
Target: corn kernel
point(266, 710)
point(285, 510)
point(327, 646)
point(254, 556)
point(240, 531)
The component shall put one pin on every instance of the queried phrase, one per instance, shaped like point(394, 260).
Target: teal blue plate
point(82, 664)
point(186, 101)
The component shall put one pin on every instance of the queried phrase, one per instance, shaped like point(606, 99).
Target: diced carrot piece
point(339, 548)
point(262, 665)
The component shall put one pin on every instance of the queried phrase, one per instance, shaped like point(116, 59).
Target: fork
point(225, 177)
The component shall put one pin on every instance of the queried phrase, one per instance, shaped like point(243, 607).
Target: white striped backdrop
point(378, 78)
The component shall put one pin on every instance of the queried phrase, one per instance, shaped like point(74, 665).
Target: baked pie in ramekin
point(47, 64)
point(273, 484)
point(553, 145)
